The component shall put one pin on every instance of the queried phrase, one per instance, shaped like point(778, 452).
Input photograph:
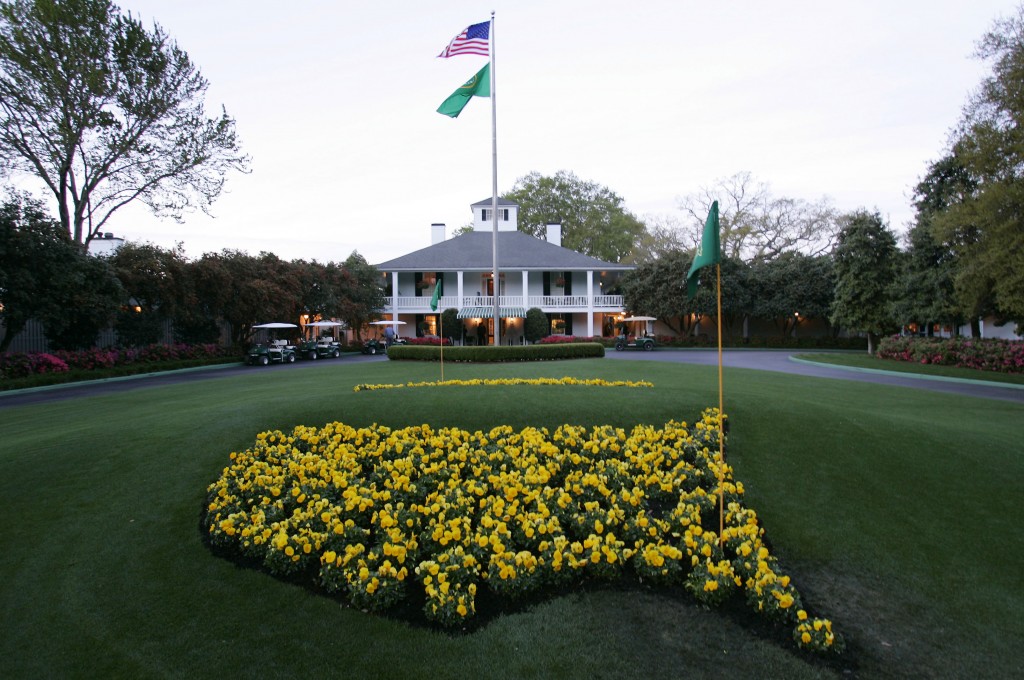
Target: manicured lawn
point(895, 511)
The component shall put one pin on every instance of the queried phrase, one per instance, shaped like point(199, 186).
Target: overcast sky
point(335, 102)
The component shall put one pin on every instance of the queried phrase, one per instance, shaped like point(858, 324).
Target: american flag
point(473, 40)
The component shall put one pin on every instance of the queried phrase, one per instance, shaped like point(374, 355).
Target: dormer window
point(485, 214)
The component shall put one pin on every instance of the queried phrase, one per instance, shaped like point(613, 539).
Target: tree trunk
point(871, 344)
point(975, 327)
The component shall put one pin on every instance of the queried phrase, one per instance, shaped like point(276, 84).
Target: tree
point(35, 256)
point(155, 284)
point(986, 227)
point(87, 301)
point(106, 112)
point(363, 298)
point(865, 267)
point(926, 289)
point(757, 226)
point(792, 288)
point(593, 219)
point(658, 289)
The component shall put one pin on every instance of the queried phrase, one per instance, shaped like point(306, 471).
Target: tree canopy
point(593, 218)
point(985, 224)
point(757, 226)
point(105, 112)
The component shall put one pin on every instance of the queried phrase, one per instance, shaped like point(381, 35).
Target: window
point(485, 214)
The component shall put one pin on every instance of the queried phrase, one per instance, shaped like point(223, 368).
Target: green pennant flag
point(437, 296)
point(479, 85)
point(708, 252)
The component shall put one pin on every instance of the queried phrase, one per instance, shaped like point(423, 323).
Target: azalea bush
point(18, 365)
point(1004, 356)
point(23, 365)
point(381, 516)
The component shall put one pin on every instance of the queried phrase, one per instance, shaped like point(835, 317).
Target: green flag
point(437, 296)
point(479, 85)
point(708, 252)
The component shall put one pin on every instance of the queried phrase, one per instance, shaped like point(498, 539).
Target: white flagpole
point(494, 192)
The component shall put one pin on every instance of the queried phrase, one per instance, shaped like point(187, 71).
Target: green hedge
point(582, 350)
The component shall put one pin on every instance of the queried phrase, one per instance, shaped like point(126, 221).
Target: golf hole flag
point(708, 252)
point(479, 86)
point(437, 296)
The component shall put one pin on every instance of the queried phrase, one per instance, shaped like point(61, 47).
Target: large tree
point(105, 112)
point(360, 293)
point(757, 226)
point(593, 218)
point(865, 268)
point(155, 283)
point(791, 289)
point(987, 226)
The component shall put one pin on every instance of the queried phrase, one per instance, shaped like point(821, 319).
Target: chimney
point(436, 233)
point(555, 234)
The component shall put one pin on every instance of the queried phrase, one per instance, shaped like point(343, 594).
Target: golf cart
point(272, 351)
point(380, 345)
point(635, 336)
point(324, 347)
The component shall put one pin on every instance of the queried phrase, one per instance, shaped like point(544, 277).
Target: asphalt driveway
point(762, 360)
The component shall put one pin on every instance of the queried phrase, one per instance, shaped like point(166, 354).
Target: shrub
point(1003, 356)
point(539, 352)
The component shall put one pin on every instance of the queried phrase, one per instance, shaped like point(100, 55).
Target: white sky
point(335, 102)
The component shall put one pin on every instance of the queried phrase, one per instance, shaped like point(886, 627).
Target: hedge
point(471, 354)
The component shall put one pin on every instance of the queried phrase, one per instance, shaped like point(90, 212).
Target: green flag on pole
point(437, 296)
point(708, 252)
point(479, 85)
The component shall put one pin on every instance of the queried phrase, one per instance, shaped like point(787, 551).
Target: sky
point(336, 102)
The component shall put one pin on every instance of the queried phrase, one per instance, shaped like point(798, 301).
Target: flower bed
point(22, 365)
point(1004, 356)
point(506, 382)
point(381, 516)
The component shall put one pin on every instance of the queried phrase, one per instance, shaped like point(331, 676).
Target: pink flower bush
point(1004, 356)
point(21, 365)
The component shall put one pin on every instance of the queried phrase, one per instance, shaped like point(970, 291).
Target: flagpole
point(494, 192)
point(440, 330)
point(721, 416)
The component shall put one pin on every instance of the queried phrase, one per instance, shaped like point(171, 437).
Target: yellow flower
point(806, 638)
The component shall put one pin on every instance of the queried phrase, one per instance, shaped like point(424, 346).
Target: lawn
point(894, 510)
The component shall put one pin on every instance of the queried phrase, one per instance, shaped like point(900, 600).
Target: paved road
point(779, 361)
point(782, 362)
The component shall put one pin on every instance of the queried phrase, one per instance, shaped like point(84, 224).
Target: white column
point(590, 303)
point(394, 296)
point(526, 286)
point(458, 275)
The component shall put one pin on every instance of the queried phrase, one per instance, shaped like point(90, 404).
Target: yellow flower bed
point(373, 513)
point(505, 382)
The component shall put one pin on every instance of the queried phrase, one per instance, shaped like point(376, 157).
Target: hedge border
point(575, 350)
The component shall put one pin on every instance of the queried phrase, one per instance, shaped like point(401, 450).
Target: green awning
point(488, 312)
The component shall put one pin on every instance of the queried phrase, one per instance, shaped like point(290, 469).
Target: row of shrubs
point(485, 354)
point(1004, 356)
point(18, 365)
point(703, 340)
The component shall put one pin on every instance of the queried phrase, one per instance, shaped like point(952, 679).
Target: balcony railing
point(548, 303)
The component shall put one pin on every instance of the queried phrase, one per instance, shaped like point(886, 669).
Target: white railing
point(421, 304)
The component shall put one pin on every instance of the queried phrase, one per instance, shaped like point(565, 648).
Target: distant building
point(105, 244)
point(567, 286)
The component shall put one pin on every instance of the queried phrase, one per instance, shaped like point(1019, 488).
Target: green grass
point(863, 360)
point(895, 510)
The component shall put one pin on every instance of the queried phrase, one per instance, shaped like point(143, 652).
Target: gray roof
point(472, 252)
point(487, 201)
